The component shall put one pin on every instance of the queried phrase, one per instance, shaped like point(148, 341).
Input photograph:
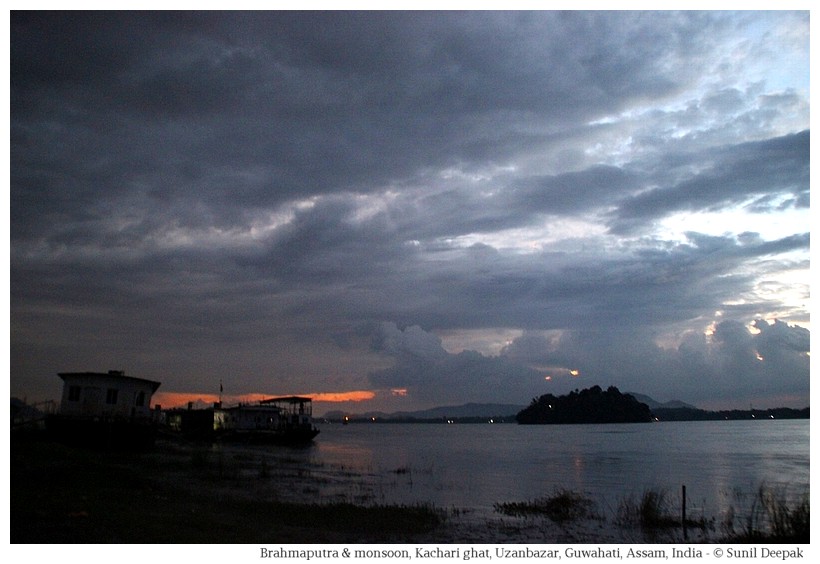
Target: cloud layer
point(456, 205)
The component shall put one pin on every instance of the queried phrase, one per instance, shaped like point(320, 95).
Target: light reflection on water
point(475, 466)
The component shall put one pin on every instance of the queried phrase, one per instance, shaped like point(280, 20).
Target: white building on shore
point(111, 395)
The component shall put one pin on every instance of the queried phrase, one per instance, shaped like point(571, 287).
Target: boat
point(279, 420)
point(286, 420)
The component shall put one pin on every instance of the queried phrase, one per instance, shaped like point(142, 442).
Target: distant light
point(574, 372)
point(547, 378)
point(491, 421)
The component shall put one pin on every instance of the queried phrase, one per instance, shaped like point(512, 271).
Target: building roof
point(112, 375)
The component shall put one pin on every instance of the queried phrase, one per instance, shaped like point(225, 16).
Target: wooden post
point(683, 510)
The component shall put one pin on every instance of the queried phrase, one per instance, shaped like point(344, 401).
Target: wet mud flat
point(194, 493)
point(182, 492)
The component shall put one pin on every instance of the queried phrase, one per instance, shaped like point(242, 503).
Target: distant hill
point(455, 412)
point(592, 405)
point(653, 404)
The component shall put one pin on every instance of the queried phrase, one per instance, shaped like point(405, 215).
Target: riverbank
point(184, 493)
point(178, 493)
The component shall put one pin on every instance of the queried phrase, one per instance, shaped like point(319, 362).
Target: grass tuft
point(771, 517)
point(561, 507)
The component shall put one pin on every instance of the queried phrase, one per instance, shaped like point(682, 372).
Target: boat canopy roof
point(287, 399)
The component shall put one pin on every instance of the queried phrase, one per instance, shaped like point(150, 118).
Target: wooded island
point(591, 405)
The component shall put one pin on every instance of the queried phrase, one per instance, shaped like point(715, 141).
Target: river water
point(472, 466)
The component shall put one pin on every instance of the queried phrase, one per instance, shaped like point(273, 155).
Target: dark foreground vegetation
point(657, 516)
point(591, 405)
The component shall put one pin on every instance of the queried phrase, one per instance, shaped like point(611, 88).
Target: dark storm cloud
point(432, 374)
point(199, 194)
point(735, 364)
point(734, 176)
point(180, 104)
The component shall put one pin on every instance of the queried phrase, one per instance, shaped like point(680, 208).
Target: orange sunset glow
point(182, 399)
point(333, 397)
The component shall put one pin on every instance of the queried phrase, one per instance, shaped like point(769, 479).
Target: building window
point(140, 399)
point(111, 396)
point(74, 393)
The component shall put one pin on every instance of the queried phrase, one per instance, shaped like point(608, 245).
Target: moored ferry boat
point(278, 420)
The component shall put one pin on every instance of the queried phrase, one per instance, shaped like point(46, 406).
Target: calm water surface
point(722, 463)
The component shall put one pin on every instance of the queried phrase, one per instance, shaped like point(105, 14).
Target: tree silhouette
point(591, 405)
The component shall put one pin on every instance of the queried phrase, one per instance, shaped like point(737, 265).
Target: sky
point(399, 210)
